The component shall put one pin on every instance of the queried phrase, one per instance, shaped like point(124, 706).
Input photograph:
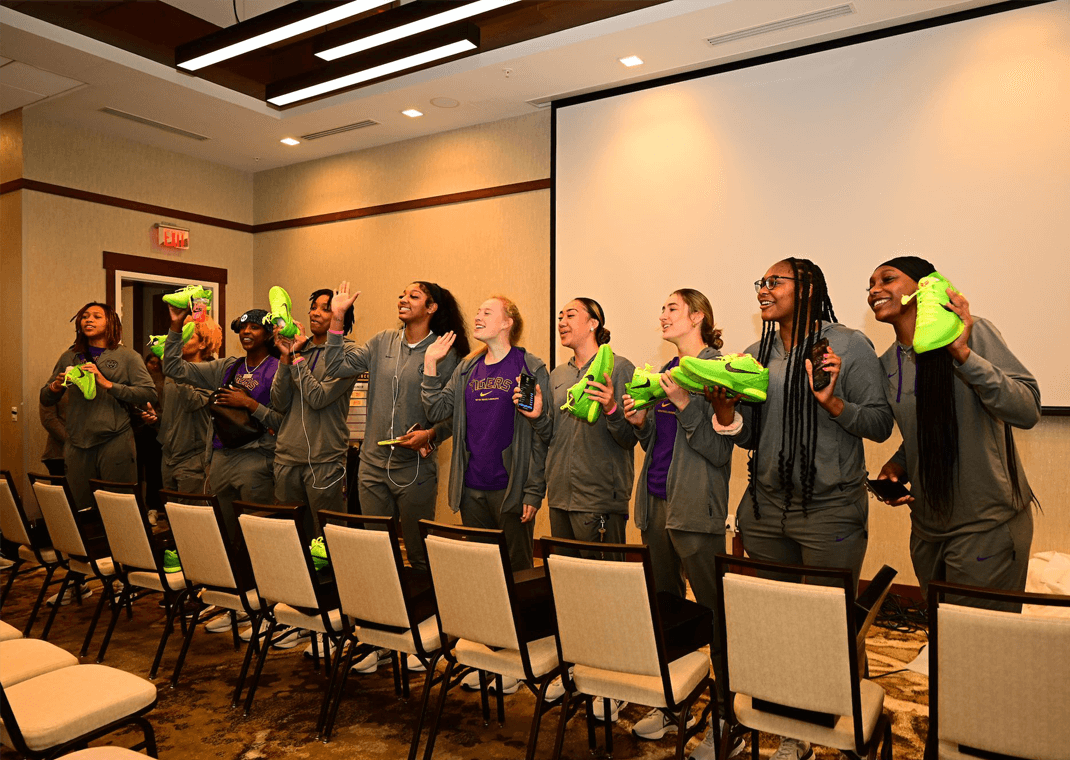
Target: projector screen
point(951, 143)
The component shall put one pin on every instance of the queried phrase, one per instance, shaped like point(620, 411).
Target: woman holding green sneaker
point(110, 379)
point(956, 405)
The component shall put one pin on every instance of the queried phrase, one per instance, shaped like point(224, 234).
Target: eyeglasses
point(770, 282)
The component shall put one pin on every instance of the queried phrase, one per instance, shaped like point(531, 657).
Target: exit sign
point(172, 237)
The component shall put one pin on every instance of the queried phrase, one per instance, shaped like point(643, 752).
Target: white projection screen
point(951, 143)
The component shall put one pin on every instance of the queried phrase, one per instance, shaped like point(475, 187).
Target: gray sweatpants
point(241, 474)
point(318, 486)
point(668, 572)
point(483, 509)
point(114, 460)
point(187, 476)
point(585, 526)
point(405, 494)
point(827, 537)
point(996, 558)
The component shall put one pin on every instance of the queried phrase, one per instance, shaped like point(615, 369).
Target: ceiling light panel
point(412, 113)
point(410, 53)
point(289, 141)
point(399, 23)
point(631, 60)
point(266, 29)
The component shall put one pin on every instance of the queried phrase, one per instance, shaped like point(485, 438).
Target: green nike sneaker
point(183, 299)
point(280, 314)
point(84, 381)
point(686, 381)
point(936, 326)
point(170, 561)
point(645, 387)
point(156, 341)
point(739, 373)
point(579, 404)
point(319, 553)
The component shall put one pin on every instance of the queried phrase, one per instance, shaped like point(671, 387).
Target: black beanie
point(913, 267)
point(256, 316)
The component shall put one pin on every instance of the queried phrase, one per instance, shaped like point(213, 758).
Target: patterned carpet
point(196, 721)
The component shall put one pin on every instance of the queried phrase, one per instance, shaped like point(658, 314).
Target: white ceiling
point(244, 132)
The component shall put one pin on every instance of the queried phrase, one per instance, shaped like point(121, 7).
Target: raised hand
point(437, 351)
point(178, 317)
point(342, 300)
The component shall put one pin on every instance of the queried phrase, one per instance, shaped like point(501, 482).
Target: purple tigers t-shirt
point(257, 382)
point(489, 417)
point(664, 441)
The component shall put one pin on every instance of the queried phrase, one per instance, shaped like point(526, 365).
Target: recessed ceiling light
point(213, 49)
point(289, 141)
point(412, 113)
point(406, 30)
point(632, 60)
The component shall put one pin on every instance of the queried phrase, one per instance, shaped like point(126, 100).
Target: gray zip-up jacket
point(185, 425)
point(589, 467)
point(443, 397)
point(697, 482)
point(392, 409)
point(91, 423)
point(839, 457)
point(314, 406)
point(993, 390)
point(210, 375)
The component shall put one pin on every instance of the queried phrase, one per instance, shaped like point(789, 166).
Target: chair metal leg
point(322, 722)
point(500, 700)
point(567, 709)
point(343, 667)
point(256, 644)
point(483, 697)
point(14, 570)
point(592, 738)
point(608, 724)
point(403, 663)
point(395, 670)
point(176, 605)
point(115, 610)
point(150, 737)
point(536, 719)
point(55, 608)
point(51, 569)
point(107, 595)
point(429, 682)
point(681, 731)
point(234, 630)
point(433, 732)
point(260, 666)
point(192, 629)
point(754, 754)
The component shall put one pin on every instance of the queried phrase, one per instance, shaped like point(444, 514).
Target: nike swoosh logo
point(982, 559)
point(644, 385)
point(484, 394)
point(728, 366)
point(838, 539)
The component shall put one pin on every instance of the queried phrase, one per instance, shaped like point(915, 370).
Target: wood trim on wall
point(282, 224)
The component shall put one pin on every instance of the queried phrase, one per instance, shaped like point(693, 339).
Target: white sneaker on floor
point(471, 683)
point(153, 515)
point(412, 662)
point(793, 749)
point(707, 750)
point(555, 690)
point(369, 663)
point(290, 637)
point(68, 596)
point(319, 644)
point(657, 723)
point(246, 633)
point(221, 624)
point(615, 706)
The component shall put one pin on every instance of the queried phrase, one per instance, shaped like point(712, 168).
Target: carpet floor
point(195, 720)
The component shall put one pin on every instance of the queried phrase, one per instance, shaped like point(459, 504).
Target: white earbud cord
point(396, 390)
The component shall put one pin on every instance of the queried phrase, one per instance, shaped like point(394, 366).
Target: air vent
point(787, 23)
point(340, 130)
point(153, 124)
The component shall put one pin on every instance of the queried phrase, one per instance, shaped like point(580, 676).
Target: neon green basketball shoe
point(84, 381)
point(319, 553)
point(156, 341)
point(280, 315)
point(170, 561)
point(183, 298)
point(645, 387)
point(936, 326)
point(579, 404)
point(739, 373)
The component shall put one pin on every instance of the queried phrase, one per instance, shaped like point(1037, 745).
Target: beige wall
point(11, 362)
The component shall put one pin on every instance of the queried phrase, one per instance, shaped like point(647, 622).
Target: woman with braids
point(681, 499)
point(100, 439)
point(956, 408)
point(806, 502)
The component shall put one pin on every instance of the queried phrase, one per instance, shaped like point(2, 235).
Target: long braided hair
point(799, 431)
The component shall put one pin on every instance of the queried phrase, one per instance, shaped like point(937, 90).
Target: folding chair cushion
point(22, 659)
point(402, 642)
point(287, 615)
point(840, 736)
point(9, 632)
point(104, 753)
point(685, 674)
point(230, 601)
point(47, 554)
point(507, 662)
point(107, 567)
point(146, 579)
point(63, 705)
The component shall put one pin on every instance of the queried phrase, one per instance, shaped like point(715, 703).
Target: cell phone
point(887, 490)
point(817, 356)
point(527, 393)
point(389, 442)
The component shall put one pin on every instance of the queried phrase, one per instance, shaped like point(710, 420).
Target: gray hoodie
point(443, 397)
point(392, 409)
point(993, 390)
point(697, 482)
point(210, 375)
point(839, 457)
point(185, 425)
point(314, 407)
point(589, 467)
point(91, 423)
